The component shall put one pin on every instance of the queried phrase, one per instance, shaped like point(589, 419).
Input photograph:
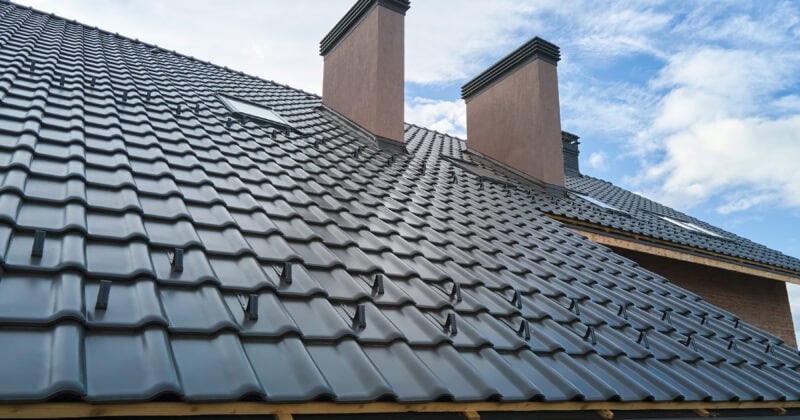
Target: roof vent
point(363, 71)
point(513, 112)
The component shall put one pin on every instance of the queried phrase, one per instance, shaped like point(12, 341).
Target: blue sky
point(695, 104)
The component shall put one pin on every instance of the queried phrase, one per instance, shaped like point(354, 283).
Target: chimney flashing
point(353, 16)
point(536, 48)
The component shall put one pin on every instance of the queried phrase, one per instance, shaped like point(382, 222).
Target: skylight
point(253, 110)
point(598, 202)
point(690, 226)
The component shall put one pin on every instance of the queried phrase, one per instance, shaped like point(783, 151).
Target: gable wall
point(761, 302)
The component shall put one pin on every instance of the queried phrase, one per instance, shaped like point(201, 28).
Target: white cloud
point(597, 160)
point(711, 134)
point(445, 116)
point(738, 202)
point(757, 157)
point(595, 109)
point(448, 40)
point(615, 29)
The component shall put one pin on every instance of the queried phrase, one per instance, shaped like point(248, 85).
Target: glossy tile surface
point(194, 256)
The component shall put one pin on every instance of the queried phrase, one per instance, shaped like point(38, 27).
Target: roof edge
point(634, 242)
point(351, 18)
point(286, 410)
point(536, 48)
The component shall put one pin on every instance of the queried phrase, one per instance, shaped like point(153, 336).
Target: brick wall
point(761, 302)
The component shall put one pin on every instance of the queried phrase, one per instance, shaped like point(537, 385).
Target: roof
point(187, 254)
point(630, 212)
point(643, 218)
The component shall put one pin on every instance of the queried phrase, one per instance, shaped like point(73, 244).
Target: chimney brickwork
point(363, 71)
point(513, 112)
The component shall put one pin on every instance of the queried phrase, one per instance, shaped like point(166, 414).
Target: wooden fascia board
point(147, 409)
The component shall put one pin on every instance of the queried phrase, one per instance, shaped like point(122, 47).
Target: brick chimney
point(363, 73)
point(513, 112)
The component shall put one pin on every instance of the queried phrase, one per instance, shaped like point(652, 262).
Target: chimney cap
point(535, 48)
point(570, 138)
point(353, 16)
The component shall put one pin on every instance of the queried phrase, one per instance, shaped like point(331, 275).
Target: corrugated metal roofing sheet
point(121, 159)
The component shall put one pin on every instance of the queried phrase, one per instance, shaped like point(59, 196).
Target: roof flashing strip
point(353, 16)
point(533, 49)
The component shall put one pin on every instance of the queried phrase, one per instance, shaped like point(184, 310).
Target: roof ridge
point(436, 131)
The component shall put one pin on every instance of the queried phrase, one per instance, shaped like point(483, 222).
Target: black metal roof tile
point(43, 363)
point(417, 328)
point(286, 370)
point(218, 216)
point(313, 253)
point(127, 304)
point(351, 375)
point(112, 199)
point(612, 342)
point(537, 306)
point(214, 368)
point(228, 241)
point(28, 298)
point(317, 319)
point(201, 310)
point(410, 379)
point(118, 259)
point(579, 371)
point(176, 234)
point(196, 267)
point(48, 216)
point(59, 251)
point(275, 248)
point(103, 224)
point(459, 377)
point(271, 320)
point(376, 327)
point(129, 366)
point(738, 385)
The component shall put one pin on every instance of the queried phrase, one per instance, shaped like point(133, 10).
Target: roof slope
point(635, 214)
point(644, 219)
point(120, 154)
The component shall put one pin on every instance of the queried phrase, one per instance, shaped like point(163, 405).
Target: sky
point(695, 104)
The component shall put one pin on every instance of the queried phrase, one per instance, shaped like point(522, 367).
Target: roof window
point(598, 203)
point(690, 226)
point(253, 110)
